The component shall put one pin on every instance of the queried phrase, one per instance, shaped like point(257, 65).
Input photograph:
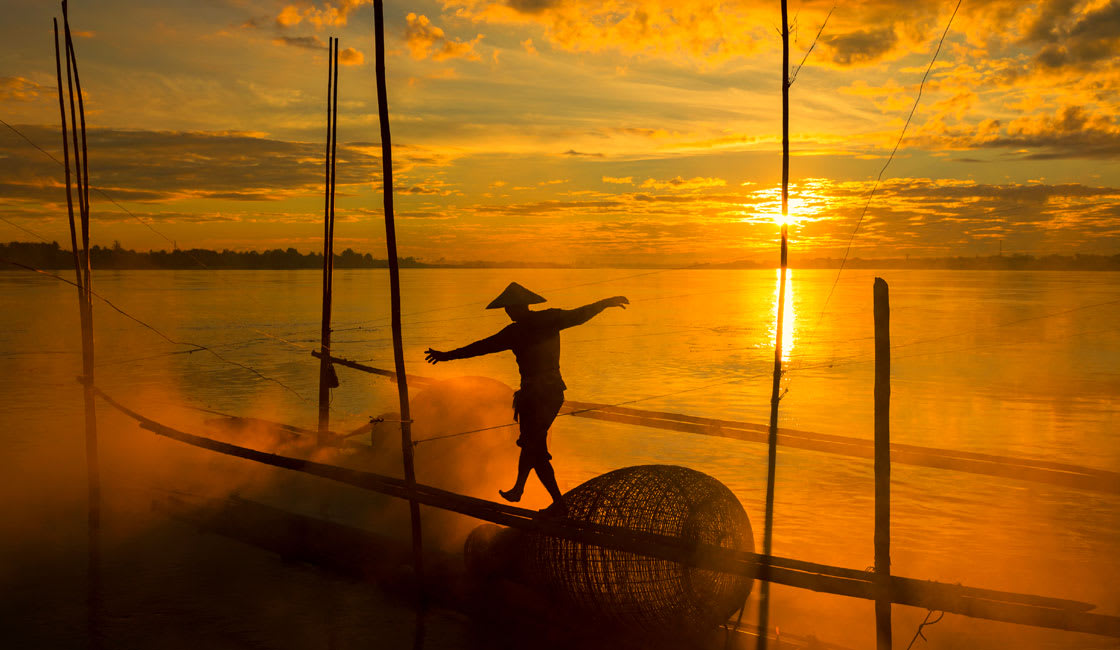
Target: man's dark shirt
point(535, 342)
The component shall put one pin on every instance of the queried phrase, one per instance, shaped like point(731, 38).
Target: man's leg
point(523, 467)
point(547, 475)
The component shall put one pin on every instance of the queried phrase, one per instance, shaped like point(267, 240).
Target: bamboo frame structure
point(990, 604)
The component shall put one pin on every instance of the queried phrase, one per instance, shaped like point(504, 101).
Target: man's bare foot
point(513, 496)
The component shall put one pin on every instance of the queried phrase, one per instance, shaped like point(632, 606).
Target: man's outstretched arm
point(580, 315)
point(488, 345)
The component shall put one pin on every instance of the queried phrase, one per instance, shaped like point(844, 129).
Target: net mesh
point(637, 592)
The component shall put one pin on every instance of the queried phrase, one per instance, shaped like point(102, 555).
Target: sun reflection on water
point(789, 316)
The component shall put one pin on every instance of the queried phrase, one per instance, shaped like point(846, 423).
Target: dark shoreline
point(52, 256)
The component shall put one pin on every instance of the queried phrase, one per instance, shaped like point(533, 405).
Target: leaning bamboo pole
point(327, 378)
point(86, 303)
point(83, 270)
point(394, 283)
point(775, 394)
point(882, 313)
point(66, 167)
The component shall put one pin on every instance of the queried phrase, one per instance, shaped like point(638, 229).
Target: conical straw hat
point(514, 295)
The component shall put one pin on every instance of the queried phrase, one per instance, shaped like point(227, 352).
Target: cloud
point(290, 16)
point(862, 46)
point(1071, 39)
point(425, 40)
point(533, 6)
point(21, 89)
point(686, 27)
point(624, 180)
point(529, 47)
point(167, 166)
point(1069, 132)
point(680, 183)
point(307, 42)
point(351, 56)
point(333, 13)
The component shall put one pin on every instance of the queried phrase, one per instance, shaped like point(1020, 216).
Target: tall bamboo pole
point(84, 186)
point(66, 166)
point(85, 309)
point(325, 370)
point(882, 464)
point(86, 305)
point(394, 283)
point(775, 394)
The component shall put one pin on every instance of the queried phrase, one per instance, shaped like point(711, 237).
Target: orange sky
point(579, 131)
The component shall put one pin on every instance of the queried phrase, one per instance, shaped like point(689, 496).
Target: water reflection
point(789, 317)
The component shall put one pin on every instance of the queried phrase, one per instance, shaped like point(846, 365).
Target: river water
point(1023, 364)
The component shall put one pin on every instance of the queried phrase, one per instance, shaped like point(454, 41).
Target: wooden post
point(83, 269)
point(882, 465)
point(327, 378)
point(394, 284)
point(775, 394)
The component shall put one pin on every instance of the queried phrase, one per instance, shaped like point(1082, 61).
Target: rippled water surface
point(1010, 363)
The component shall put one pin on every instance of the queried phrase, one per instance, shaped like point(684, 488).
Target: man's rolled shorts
point(535, 409)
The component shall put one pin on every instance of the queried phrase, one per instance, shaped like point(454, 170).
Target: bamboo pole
point(84, 187)
point(66, 165)
point(775, 395)
point(85, 310)
point(394, 284)
point(326, 372)
point(882, 465)
point(86, 304)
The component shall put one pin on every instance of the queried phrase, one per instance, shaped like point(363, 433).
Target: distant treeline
point(988, 263)
point(52, 256)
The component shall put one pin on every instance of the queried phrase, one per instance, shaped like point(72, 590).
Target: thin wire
point(101, 192)
point(159, 333)
point(30, 232)
point(925, 623)
point(797, 70)
point(879, 178)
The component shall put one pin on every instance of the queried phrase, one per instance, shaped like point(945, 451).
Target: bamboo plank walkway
point(1025, 469)
point(1039, 611)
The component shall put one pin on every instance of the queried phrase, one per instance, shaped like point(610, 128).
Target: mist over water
point(1016, 364)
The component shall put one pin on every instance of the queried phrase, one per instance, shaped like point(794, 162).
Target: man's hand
point(435, 356)
point(618, 301)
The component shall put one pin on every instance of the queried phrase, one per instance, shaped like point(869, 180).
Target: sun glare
point(797, 210)
point(765, 205)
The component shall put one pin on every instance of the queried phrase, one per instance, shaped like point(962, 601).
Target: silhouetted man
point(534, 338)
